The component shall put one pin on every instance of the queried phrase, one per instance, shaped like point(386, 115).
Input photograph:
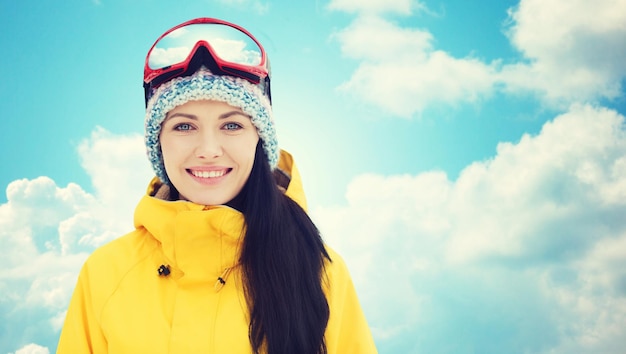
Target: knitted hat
point(203, 85)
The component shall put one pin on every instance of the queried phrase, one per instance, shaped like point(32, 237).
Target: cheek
point(250, 150)
point(242, 148)
point(169, 150)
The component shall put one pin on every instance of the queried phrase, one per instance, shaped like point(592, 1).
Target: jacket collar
point(197, 242)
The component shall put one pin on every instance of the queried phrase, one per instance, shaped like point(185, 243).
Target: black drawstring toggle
point(164, 270)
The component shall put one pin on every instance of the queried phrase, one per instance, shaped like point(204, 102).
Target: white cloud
point(571, 51)
point(33, 349)
point(29, 220)
point(575, 163)
point(526, 248)
point(47, 231)
point(117, 166)
point(401, 72)
point(575, 48)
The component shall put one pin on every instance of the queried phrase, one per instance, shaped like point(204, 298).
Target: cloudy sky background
point(467, 159)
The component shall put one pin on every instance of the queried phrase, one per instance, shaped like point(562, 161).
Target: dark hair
point(282, 259)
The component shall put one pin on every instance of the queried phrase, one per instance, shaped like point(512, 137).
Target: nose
point(208, 146)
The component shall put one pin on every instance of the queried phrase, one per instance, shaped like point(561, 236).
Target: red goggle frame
point(222, 47)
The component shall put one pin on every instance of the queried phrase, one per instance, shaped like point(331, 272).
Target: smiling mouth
point(209, 174)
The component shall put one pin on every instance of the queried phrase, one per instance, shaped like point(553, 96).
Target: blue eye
point(183, 127)
point(232, 126)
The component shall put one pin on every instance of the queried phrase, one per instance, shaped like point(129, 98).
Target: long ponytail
point(282, 259)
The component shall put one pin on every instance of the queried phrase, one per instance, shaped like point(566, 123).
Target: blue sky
point(467, 159)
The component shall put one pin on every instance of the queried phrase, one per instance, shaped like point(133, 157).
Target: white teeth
point(208, 174)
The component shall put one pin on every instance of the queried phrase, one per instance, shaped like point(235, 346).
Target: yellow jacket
point(122, 305)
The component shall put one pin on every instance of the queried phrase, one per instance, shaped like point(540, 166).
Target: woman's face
point(208, 150)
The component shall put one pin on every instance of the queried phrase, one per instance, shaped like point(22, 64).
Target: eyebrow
point(194, 117)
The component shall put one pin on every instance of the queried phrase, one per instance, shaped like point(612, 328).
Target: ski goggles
point(222, 47)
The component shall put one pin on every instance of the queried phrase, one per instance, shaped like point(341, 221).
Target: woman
point(223, 258)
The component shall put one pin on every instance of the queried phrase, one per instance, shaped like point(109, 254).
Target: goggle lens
point(228, 43)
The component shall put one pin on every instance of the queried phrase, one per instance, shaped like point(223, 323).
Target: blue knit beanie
point(203, 85)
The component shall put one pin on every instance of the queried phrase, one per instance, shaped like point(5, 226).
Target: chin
point(210, 200)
